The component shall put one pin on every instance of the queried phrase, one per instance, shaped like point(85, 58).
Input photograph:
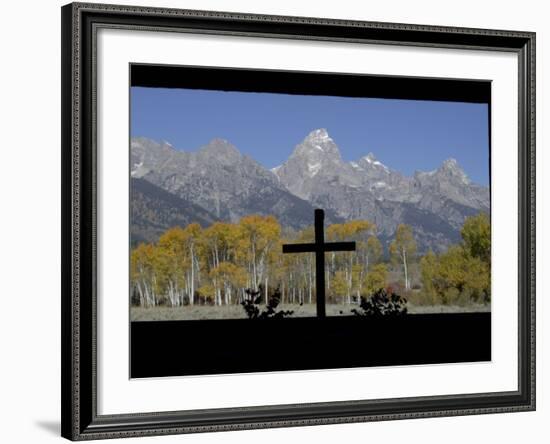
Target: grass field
point(198, 312)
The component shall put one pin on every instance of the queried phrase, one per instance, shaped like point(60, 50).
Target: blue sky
point(405, 135)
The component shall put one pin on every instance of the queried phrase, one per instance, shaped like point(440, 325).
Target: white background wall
point(30, 220)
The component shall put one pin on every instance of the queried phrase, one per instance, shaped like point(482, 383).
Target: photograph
point(269, 206)
point(280, 217)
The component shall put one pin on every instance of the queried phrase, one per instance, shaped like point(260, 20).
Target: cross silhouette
point(320, 247)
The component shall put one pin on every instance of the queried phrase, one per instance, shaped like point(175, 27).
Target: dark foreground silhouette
point(383, 302)
point(173, 348)
point(251, 305)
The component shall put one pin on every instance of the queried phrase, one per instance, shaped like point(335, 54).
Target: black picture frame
point(80, 419)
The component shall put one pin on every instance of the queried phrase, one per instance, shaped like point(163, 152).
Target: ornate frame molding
point(80, 22)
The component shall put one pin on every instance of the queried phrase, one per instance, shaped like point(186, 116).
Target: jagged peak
point(147, 144)
point(320, 134)
point(370, 161)
point(317, 145)
point(220, 146)
point(451, 165)
point(451, 162)
point(451, 168)
point(220, 141)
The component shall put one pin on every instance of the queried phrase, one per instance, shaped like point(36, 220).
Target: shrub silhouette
point(383, 302)
point(252, 309)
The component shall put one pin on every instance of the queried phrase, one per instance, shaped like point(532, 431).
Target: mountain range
point(217, 182)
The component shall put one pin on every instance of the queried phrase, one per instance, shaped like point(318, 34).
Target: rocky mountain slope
point(221, 180)
point(435, 203)
point(153, 210)
point(228, 185)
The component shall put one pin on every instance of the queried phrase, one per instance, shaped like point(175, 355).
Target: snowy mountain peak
point(370, 158)
point(451, 166)
point(451, 170)
point(369, 162)
point(318, 146)
point(318, 135)
point(451, 163)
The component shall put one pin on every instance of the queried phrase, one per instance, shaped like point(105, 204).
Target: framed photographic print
point(276, 221)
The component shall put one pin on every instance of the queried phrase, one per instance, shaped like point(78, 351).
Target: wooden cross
point(320, 247)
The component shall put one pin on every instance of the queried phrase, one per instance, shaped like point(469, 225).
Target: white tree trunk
point(192, 283)
point(407, 285)
point(141, 296)
point(254, 276)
